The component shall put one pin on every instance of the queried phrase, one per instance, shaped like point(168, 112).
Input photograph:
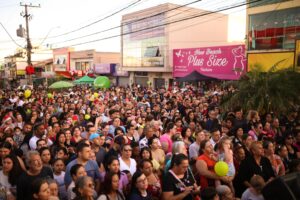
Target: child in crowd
point(59, 175)
point(254, 192)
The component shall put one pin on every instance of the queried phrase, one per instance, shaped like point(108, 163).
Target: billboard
point(265, 61)
point(297, 55)
point(221, 62)
point(60, 62)
point(102, 68)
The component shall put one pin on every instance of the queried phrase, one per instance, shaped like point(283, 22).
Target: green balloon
point(49, 95)
point(221, 168)
point(102, 82)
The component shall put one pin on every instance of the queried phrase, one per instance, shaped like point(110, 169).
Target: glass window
point(152, 52)
point(144, 48)
point(77, 65)
point(274, 30)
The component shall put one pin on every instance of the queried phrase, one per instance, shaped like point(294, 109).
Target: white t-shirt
point(249, 195)
point(71, 194)
point(61, 184)
point(124, 166)
point(4, 180)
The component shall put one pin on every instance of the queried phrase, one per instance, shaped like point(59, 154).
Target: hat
point(93, 136)
point(6, 119)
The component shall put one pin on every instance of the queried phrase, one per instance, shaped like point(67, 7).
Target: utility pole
point(29, 46)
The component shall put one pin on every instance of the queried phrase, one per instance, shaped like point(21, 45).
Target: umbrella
point(61, 84)
point(195, 76)
point(84, 80)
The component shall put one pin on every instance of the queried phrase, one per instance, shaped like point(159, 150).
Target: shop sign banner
point(102, 68)
point(265, 61)
point(221, 62)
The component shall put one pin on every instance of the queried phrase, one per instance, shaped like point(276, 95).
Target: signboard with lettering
point(221, 62)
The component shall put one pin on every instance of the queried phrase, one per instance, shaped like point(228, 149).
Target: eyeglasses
point(128, 113)
point(143, 180)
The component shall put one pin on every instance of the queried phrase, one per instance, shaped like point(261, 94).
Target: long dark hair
point(146, 149)
point(135, 176)
point(107, 184)
point(110, 161)
point(36, 185)
point(16, 170)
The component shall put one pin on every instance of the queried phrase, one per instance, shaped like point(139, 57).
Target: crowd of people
point(140, 143)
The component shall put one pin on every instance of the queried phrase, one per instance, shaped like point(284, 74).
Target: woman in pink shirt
point(165, 139)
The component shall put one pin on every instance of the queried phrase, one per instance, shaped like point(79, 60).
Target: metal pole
point(29, 46)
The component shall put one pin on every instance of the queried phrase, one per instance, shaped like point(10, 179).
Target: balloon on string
point(27, 93)
point(87, 117)
point(50, 96)
point(221, 168)
point(96, 95)
point(102, 82)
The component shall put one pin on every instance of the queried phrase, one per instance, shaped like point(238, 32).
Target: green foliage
point(272, 91)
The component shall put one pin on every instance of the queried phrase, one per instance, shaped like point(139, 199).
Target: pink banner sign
point(221, 62)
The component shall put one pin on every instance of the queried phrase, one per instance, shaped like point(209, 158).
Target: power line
point(97, 21)
point(167, 23)
point(131, 22)
point(12, 39)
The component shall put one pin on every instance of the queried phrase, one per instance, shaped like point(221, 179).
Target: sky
point(55, 17)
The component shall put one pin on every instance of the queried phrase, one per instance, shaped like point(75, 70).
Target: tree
point(271, 91)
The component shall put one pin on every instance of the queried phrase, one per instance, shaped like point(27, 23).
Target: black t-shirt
point(25, 181)
point(249, 167)
point(171, 184)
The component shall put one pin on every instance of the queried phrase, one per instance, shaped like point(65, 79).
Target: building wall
point(270, 10)
point(202, 31)
point(90, 57)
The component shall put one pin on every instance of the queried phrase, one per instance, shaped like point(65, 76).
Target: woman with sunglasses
point(139, 187)
point(289, 143)
point(126, 162)
point(84, 188)
point(275, 160)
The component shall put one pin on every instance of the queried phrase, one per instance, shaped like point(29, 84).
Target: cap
point(93, 136)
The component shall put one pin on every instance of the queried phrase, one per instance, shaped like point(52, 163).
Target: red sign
point(29, 70)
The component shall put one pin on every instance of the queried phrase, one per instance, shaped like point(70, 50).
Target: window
point(274, 30)
point(141, 73)
point(77, 65)
point(152, 52)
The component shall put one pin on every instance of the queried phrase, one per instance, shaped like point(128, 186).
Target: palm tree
point(271, 91)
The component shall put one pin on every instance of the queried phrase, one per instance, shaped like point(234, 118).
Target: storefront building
point(74, 64)
point(273, 27)
point(149, 37)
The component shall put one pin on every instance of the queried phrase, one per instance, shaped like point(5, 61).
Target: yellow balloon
point(221, 168)
point(87, 117)
point(27, 93)
point(96, 95)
